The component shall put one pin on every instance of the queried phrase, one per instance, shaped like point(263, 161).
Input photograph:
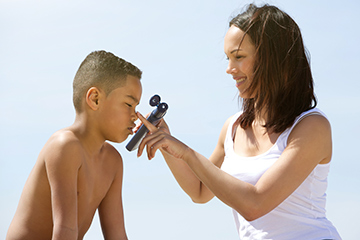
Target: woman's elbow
point(251, 213)
point(251, 216)
point(200, 199)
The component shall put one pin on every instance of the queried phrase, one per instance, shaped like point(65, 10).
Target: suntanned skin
point(77, 172)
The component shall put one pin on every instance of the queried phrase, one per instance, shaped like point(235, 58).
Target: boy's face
point(118, 110)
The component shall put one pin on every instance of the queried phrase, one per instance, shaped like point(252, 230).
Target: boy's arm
point(111, 208)
point(63, 160)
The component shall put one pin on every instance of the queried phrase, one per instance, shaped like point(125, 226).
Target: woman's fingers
point(153, 143)
point(139, 124)
point(159, 138)
point(152, 129)
point(147, 124)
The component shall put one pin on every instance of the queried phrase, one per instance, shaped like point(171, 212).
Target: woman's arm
point(308, 145)
point(183, 174)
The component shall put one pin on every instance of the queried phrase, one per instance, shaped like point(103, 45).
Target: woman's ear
point(92, 98)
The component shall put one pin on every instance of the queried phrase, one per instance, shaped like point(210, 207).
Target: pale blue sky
point(179, 47)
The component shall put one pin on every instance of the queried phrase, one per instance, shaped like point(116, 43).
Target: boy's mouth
point(130, 130)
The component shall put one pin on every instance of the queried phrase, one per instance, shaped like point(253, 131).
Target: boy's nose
point(134, 117)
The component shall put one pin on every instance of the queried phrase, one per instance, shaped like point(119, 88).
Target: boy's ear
point(92, 98)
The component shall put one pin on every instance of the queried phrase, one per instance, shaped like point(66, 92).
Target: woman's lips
point(239, 80)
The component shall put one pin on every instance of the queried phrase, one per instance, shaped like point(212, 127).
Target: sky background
point(179, 47)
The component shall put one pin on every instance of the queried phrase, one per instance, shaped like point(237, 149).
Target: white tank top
point(300, 216)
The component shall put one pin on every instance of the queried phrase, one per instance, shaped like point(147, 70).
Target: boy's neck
point(87, 133)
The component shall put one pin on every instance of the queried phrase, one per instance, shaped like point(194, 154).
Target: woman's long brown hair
point(282, 83)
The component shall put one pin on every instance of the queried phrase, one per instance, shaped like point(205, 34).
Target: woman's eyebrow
point(236, 50)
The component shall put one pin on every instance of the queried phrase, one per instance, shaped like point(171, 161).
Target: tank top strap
point(314, 111)
point(230, 133)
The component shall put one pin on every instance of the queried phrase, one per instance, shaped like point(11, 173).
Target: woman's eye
point(129, 105)
point(236, 57)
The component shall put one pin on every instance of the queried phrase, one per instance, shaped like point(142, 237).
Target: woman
point(272, 158)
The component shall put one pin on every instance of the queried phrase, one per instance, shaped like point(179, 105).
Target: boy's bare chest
point(94, 182)
point(93, 185)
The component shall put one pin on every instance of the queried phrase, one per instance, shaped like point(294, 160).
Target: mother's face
point(241, 58)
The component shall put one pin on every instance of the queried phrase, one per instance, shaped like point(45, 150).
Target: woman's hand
point(160, 138)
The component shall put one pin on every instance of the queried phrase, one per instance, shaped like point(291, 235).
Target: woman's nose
point(230, 69)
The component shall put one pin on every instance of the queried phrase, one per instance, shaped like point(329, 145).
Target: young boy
point(78, 172)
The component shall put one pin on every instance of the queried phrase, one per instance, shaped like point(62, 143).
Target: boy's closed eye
point(131, 101)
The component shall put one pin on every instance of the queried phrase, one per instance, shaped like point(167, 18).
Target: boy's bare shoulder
point(61, 144)
point(63, 137)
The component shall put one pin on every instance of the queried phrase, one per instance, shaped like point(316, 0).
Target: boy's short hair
point(103, 70)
